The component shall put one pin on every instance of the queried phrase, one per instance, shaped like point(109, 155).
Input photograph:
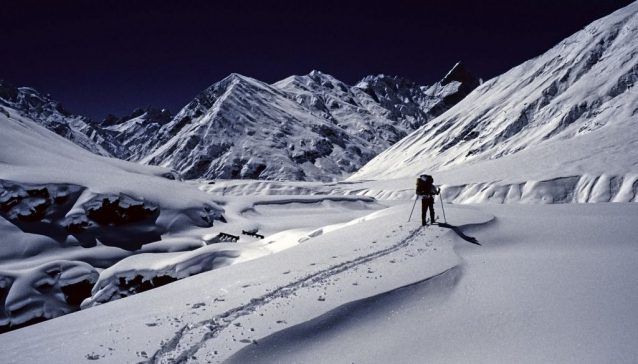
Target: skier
point(426, 189)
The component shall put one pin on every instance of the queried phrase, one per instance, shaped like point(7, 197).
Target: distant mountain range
point(311, 127)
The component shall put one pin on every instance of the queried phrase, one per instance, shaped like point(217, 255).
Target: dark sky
point(100, 57)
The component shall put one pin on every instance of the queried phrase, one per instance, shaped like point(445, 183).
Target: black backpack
point(424, 187)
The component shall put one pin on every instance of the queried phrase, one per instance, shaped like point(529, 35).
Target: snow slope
point(66, 214)
point(50, 113)
point(548, 284)
point(82, 230)
point(132, 131)
point(569, 113)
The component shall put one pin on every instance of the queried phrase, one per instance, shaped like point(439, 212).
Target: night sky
point(111, 57)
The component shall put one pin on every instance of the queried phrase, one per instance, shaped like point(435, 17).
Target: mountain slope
point(243, 128)
point(50, 113)
point(569, 112)
point(131, 132)
point(311, 127)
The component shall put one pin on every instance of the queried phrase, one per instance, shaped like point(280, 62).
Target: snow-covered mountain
point(311, 127)
point(133, 131)
point(568, 116)
point(50, 113)
point(243, 128)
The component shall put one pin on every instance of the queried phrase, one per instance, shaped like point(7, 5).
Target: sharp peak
point(317, 73)
point(458, 73)
point(231, 78)
point(236, 76)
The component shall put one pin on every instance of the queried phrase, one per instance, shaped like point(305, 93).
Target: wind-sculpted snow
point(575, 189)
point(43, 292)
point(296, 338)
point(58, 220)
point(173, 351)
point(64, 210)
point(143, 272)
point(132, 228)
point(129, 227)
point(579, 90)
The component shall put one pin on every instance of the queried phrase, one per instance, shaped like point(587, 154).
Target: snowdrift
point(66, 214)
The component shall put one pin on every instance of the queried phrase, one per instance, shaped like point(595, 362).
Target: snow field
point(551, 284)
point(374, 255)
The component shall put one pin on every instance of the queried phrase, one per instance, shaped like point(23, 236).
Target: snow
point(526, 264)
point(569, 112)
point(311, 127)
point(50, 113)
point(134, 228)
point(548, 284)
point(64, 207)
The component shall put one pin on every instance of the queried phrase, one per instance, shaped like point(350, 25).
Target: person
point(426, 189)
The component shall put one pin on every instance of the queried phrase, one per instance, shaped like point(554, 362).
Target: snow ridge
point(176, 352)
point(582, 88)
point(50, 113)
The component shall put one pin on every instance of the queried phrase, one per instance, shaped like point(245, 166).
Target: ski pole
point(441, 198)
point(415, 200)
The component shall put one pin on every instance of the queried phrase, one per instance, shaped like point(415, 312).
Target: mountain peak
point(460, 74)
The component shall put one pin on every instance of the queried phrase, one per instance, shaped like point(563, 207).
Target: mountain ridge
point(568, 114)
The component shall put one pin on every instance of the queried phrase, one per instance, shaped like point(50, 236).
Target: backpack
point(424, 187)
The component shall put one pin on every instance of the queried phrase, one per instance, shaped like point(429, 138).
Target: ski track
point(174, 353)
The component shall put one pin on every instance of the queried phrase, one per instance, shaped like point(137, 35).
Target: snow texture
point(65, 210)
